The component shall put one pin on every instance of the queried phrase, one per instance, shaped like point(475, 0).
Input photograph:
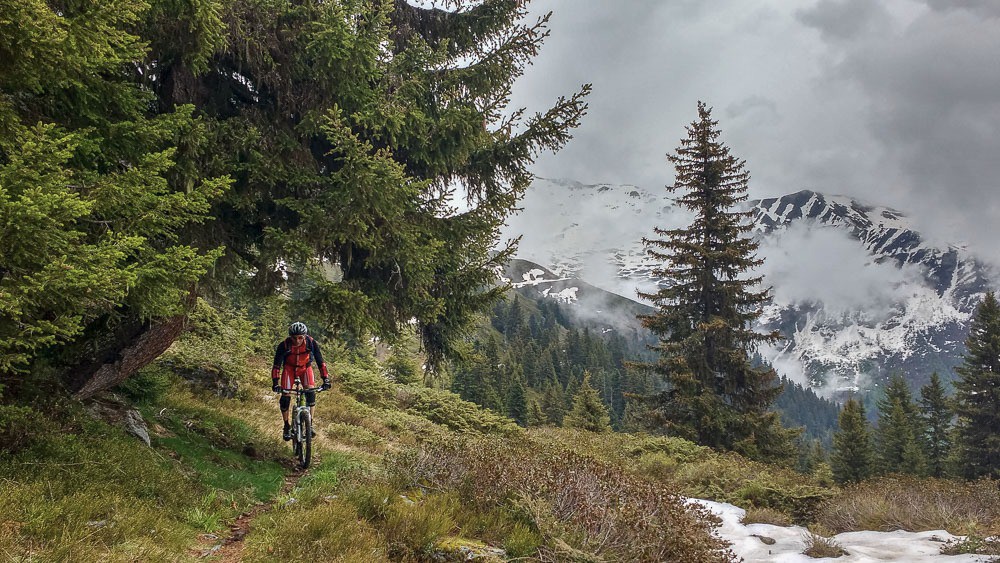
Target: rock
point(463, 549)
point(136, 425)
point(764, 539)
point(115, 411)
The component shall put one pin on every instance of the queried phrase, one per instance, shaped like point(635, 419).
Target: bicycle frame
point(301, 422)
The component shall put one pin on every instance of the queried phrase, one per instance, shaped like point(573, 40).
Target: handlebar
point(302, 390)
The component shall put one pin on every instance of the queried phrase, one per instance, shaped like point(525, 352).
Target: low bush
point(148, 385)
point(21, 427)
point(367, 386)
point(698, 471)
point(574, 502)
point(820, 547)
point(766, 516)
point(215, 350)
point(973, 544)
point(447, 408)
point(734, 479)
point(909, 503)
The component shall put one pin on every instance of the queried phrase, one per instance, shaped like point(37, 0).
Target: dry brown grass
point(908, 503)
point(766, 516)
point(818, 546)
point(582, 507)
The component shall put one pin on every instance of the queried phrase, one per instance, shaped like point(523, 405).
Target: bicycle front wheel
point(304, 451)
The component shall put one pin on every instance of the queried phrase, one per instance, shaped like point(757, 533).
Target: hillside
point(403, 473)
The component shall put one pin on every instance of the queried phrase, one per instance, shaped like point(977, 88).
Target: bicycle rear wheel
point(304, 451)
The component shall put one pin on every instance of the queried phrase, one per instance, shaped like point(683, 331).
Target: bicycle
point(301, 423)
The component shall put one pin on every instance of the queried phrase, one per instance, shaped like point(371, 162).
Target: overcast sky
point(896, 102)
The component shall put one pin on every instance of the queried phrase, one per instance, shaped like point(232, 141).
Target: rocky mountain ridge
point(911, 316)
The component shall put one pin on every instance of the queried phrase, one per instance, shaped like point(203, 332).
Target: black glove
point(276, 387)
point(326, 384)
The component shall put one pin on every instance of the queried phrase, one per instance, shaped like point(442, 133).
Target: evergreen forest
point(180, 181)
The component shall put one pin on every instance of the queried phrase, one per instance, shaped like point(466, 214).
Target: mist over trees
point(533, 355)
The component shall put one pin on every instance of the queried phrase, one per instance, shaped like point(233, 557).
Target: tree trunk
point(135, 355)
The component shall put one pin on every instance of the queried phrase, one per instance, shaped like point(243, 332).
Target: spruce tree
point(323, 141)
point(553, 404)
point(852, 459)
point(517, 407)
point(937, 414)
point(900, 430)
point(535, 415)
point(588, 412)
point(977, 395)
point(704, 317)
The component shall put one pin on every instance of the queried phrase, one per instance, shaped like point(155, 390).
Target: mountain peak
point(594, 232)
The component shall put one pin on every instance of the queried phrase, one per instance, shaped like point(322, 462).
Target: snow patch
point(862, 547)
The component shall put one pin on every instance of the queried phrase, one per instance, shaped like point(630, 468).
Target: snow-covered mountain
point(858, 293)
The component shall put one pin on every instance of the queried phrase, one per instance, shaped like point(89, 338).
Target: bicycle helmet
point(297, 329)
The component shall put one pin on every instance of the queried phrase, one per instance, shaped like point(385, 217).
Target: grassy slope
point(403, 474)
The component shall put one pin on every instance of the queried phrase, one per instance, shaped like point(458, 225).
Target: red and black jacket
point(291, 361)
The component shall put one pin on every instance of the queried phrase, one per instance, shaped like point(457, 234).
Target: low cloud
point(807, 264)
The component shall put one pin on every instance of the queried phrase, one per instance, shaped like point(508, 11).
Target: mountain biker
point(293, 358)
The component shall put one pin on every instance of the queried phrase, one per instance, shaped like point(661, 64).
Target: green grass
point(93, 494)
point(82, 490)
point(243, 479)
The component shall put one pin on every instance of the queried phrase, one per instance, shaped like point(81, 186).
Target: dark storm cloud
point(986, 8)
point(897, 103)
point(841, 20)
point(930, 97)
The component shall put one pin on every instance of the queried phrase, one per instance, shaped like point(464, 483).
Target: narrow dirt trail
point(230, 549)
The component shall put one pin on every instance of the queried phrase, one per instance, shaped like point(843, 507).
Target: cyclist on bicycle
point(293, 358)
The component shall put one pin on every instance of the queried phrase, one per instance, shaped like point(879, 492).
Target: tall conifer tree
point(716, 396)
point(977, 395)
point(900, 430)
point(588, 412)
point(853, 458)
point(937, 414)
point(313, 145)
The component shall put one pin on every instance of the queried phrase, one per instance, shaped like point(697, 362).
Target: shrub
point(148, 385)
point(737, 480)
point(215, 351)
point(575, 503)
point(973, 544)
point(404, 369)
point(909, 503)
point(370, 388)
point(766, 516)
point(522, 541)
point(447, 408)
point(818, 547)
point(21, 427)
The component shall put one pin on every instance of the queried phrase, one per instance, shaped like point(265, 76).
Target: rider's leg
point(284, 403)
